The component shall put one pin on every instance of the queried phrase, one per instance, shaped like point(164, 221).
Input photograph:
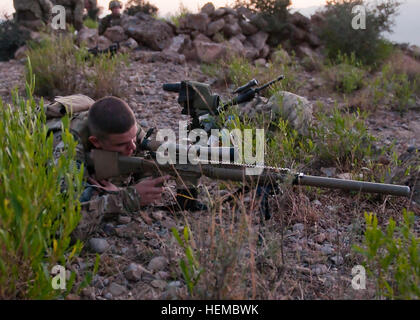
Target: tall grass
point(61, 68)
point(39, 205)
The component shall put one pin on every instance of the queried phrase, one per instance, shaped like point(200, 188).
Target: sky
point(405, 30)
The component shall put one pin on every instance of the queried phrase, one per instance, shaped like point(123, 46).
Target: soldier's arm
point(105, 206)
point(103, 24)
point(46, 7)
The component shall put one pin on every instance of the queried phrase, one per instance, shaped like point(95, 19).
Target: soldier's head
point(112, 126)
point(115, 7)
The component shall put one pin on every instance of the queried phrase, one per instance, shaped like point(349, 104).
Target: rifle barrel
point(353, 185)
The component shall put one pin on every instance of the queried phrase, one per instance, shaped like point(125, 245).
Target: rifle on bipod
point(197, 100)
point(110, 164)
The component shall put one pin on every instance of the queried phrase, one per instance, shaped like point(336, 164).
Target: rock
point(247, 28)
point(235, 47)
point(321, 237)
point(215, 27)
point(124, 219)
point(116, 289)
point(158, 56)
point(162, 275)
point(258, 40)
point(313, 40)
point(231, 29)
point(179, 43)
point(209, 52)
point(21, 53)
point(240, 37)
point(87, 36)
point(337, 260)
point(115, 34)
point(133, 272)
point(98, 245)
point(298, 227)
point(265, 51)
point(158, 284)
point(329, 172)
point(345, 176)
point(193, 22)
point(89, 292)
point(202, 37)
point(218, 13)
point(208, 9)
point(319, 269)
point(218, 37)
point(157, 264)
point(250, 52)
point(157, 215)
point(300, 21)
point(296, 109)
point(260, 62)
point(297, 35)
point(281, 56)
point(72, 296)
point(327, 249)
point(130, 43)
point(150, 32)
point(108, 296)
point(103, 43)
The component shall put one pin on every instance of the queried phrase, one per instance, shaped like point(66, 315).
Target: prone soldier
point(108, 124)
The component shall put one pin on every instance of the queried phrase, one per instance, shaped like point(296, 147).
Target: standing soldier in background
point(92, 9)
point(74, 11)
point(113, 19)
point(32, 14)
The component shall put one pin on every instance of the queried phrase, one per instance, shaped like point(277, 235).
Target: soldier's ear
point(95, 141)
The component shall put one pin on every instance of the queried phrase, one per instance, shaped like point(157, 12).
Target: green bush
point(37, 214)
point(346, 74)
point(62, 69)
point(339, 36)
point(90, 23)
point(11, 39)
point(342, 139)
point(393, 257)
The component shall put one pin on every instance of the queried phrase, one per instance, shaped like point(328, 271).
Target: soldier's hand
point(150, 190)
point(103, 184)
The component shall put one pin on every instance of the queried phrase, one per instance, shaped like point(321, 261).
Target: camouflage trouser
point(104, 206)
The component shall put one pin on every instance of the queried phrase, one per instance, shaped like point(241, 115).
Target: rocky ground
point(304, 251)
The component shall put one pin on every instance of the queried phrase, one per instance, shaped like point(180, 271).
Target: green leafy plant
point(190, 268)
point(392, 256)
point(342, 138)
point(90, 23)
point(39, 206)
point(346, 73)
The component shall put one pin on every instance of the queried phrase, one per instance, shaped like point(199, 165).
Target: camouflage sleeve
point(103, 25)
point(78, 14)
point(105, 206)
point(46, 7)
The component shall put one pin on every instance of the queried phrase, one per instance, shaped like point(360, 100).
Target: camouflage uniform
point(93, 10)
point(74, 11)
point(33, 14)
point(109, 21)
point(97, 204)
